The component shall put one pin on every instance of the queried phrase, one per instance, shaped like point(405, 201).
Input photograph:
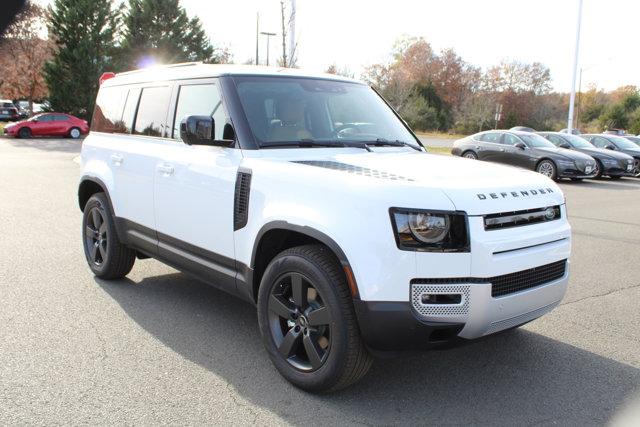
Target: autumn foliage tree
point(23, 52)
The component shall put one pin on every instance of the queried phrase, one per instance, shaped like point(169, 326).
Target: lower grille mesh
point(525, 279)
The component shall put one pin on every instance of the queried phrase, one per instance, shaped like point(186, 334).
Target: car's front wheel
point(548, 169)
point(307, 320)
point(106, 256)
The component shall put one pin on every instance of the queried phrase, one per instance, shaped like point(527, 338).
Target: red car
point(49, 124)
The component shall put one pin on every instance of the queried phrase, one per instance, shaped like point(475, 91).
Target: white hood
point(473, 186)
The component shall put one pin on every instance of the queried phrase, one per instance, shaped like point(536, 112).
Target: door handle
point(501, 149)
point(478, 147)
point(166, 169)
point(116, 159)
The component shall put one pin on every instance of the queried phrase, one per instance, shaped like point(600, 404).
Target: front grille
point(523, 217)
point(512, 282)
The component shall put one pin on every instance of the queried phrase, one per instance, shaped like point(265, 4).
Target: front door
point(194, 191)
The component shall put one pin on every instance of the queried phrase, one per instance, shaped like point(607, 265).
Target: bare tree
point(23, 53)
point(286, 16)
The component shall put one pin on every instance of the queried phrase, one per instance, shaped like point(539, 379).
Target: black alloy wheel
point(96, 237)
point(107, 257)
point(307, 320)
point(299, 322)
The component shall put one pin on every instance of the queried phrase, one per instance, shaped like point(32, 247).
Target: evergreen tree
point(83, 32)
point(160, 31)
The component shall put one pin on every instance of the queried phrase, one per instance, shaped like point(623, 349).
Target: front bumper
point(574, 173)
point(397, 326)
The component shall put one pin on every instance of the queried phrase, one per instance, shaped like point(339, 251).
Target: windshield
point(634, 139)
point(536, 141)
point(577, 141)
point(622, 142)
point(283, 111)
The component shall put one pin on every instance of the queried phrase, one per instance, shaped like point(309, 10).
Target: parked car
point(527, 150)
point(608, 162)
point(522, 129)
point(634, 139)
point(574, 131)
point(49, 124)
point(309, 197)
point(616, 143)
point(23, 109)
point(8, 111)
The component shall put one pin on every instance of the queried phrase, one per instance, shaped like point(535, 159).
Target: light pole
point(269, 35)
point(572, 98)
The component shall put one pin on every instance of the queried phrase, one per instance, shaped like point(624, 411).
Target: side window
point(129, 110)
point(199, 100)
point(490, 137)
point(108, 112)
point(61, 118)
point(152, 112)
point(510, 139)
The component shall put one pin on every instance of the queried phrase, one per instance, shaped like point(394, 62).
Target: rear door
point(513, 155)
point(128, 125)
point(491, 146)
point(194, 190)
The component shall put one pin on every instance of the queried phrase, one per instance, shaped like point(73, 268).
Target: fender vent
point(241, 200)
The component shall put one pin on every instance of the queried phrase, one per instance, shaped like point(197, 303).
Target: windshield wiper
point(308, 143)
point(397, 143)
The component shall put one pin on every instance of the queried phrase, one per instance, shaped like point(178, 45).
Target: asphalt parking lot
point(162, 348)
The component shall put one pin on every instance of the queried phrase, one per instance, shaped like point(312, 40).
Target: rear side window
point(490, 137)
point(130, 109)
point(152, 112)
point(199, 100)
point(107, 116)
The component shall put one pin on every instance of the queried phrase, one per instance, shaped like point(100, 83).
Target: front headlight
point(430, 231)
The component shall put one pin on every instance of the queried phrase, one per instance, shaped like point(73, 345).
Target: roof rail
point(156, 67)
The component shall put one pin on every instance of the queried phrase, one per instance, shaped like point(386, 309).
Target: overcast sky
point(356, 33)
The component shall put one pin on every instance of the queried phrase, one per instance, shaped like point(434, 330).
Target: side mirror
point(610, 147)
point(200, 130)
point(520, 145)
point(565, 145)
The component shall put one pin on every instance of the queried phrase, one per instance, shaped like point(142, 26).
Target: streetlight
point(269, 35)
point(572, 99)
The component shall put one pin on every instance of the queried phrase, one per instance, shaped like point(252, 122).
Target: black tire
point(599, 169)
point(548, 169)
point(107, 257)
point(74, 133)
point(24, 133)
point(470, 155)
point(341, 359)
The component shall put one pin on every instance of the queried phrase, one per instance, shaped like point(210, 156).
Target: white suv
point(308, 196)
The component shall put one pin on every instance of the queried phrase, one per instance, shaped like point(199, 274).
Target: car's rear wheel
point(24, 133)
point(307, 320)
point(74, 133)
point(106, 256)
point(548, 169)
point(470, 155)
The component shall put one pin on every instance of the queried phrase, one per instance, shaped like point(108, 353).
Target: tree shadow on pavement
point(518, 377)
point(47, 144)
